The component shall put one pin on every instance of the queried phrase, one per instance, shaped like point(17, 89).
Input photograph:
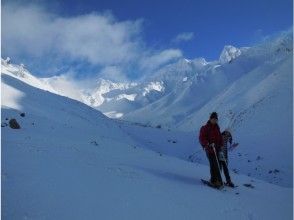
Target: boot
point(230, 184)
point(217, 184)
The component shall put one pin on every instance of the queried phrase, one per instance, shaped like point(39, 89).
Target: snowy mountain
point(229, 53)
point(116, 99)
point(252, 94)
point(69, 161)
point(190, 87)
point(96, 98)
point(258, 109)
point(177, 90)
point(169, 95)
point(23, 74)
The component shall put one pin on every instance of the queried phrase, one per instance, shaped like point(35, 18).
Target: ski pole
point(220, 175)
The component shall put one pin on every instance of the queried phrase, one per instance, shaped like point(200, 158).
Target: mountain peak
point(229, 53)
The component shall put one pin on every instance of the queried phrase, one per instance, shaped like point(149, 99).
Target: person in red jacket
point(210, 138)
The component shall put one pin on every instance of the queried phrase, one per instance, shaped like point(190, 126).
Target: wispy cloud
point(96, 39)
point(185, 36)
point(114, 73)
point(153, 62)
point(67, 85)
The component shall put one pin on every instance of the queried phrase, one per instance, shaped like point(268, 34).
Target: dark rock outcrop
point(14, 124)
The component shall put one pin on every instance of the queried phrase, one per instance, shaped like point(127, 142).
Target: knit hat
point(213, 115)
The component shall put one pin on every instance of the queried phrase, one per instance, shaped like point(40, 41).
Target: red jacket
point(209, 134)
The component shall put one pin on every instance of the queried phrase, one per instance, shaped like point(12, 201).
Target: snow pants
point(215, 174)
point(224, 166)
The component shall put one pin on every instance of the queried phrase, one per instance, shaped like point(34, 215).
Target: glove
point(209, 148)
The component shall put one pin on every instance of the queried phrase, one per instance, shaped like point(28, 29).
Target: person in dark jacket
point(211, 140)
point(223, 156)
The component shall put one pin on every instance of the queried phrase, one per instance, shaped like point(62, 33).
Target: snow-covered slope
point(185, 97)
point(96, 98)
point(178, 90)
point(253, 96)
point(250, 88)
point(121, 98)
point(68, 161)
point(23, 74)
point(258, 109)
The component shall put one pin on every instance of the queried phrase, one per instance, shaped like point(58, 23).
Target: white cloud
point(156, 60)
point(25, 30)
point(99, 39)
point(185, 36)
point(114, 73)
point(95, 40)
point(66, 85)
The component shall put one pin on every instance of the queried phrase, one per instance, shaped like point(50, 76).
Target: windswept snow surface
point(68, 161)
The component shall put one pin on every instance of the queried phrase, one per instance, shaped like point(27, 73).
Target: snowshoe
point(208, 183)
point(230, 184)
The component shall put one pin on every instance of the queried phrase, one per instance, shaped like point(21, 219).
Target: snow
point(96, 97)
point(253, 96)
point(12, 98)
point(199, 62)
point(229, 53)
point(162, 97)
point(255, 86)
point(130, 97)
point(20, 72)
point(69, 161)
point(256, 107)
point(63, 85)
point(114, 114)
point(157, 86)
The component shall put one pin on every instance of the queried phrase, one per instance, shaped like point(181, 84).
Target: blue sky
point(150, 33)
point(213, 22)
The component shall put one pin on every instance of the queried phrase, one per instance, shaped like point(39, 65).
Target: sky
point(123, 40)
